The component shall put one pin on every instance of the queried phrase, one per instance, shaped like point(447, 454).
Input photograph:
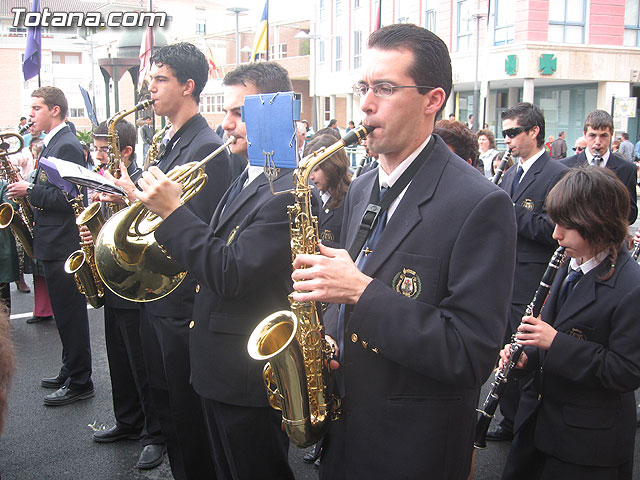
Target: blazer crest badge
point(408, 283)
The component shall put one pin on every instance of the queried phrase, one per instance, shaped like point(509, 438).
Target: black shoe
point(150, 457)
point(114, 434)
point(499, 435)
point(316, 464)
point(311, 457)
point(35, 319)
point(65, 396)
point(53, 382)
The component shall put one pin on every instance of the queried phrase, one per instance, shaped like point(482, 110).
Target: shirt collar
point(387, 180)
point(52, 133)
point(529, 163)
point(605, 157)
point(590, 264)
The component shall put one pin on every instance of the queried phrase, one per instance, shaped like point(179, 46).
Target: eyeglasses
point(383, 89)
point(515, 131)
point(101, 149)
point(578, 149)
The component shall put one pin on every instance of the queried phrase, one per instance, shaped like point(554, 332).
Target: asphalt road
point(55, 443)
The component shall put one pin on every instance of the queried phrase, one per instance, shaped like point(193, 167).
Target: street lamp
point(477, 16)
point(237, 11)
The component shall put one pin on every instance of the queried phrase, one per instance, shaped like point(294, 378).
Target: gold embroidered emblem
point(43, 176)
point(327, 235)
point(232, 235)
point(528, 204)
point(579, 334)
point(407, 283)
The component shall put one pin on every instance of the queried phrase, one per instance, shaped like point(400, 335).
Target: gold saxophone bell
point(10, 218)
point(129, 260)
point(81, 263)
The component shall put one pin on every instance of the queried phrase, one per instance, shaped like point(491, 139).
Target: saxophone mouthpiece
point(146, 103)
point(357, 135)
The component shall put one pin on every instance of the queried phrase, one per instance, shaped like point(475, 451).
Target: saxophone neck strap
point(377, 207)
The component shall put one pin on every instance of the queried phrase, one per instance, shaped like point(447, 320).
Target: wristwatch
point(29, 188)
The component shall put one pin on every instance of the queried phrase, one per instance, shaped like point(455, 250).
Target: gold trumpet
point(20, 221)
point(129, 260)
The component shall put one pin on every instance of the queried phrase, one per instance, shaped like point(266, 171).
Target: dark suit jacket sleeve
point(218, 179)
point(50, 198)
point(456, 341)
point(238, 269)
point(615, 366)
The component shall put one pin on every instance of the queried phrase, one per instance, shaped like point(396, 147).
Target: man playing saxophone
point(55, 237)
point(179, 73)
point(242, 261)
point(133, 407)
point(417, 324)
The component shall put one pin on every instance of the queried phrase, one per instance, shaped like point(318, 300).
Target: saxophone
point(297, 375)
point(82, 263)
point(114, 145)
point(21, 221)
point(154, 150)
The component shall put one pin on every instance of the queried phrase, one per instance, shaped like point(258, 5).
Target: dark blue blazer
point(242, 260)
point(426, 332)
point(55, 233)
point(330, 225)
point(583, 392)
point(535, 244)
point(196, 141)
point(626, 171)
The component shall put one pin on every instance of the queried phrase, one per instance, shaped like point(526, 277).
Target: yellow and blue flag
point(261, 40)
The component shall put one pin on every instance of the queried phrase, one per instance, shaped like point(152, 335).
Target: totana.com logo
point(47, 18)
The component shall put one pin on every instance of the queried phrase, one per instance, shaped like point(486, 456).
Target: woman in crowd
point(487, 146)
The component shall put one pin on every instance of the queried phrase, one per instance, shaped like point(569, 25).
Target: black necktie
point(516, 181)
point(237, 187)
point(567, 287)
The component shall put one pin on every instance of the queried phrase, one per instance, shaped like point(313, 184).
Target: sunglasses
point(515, 131)
point(578, 149)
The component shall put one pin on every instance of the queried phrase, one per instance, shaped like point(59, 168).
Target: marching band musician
point(575, 418)
point(242, 261)
point(418, 327)
point(598, 132)
point(179, 73)
point(528, 183)
point(133, 407)
point(55, 236)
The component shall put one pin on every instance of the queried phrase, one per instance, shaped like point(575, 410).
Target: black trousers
point(247, 442)
point(70, 310)
point(132, 403)
point(165, 342)
point(526, 462)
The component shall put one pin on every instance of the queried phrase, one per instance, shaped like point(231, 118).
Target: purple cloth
point(33, 52)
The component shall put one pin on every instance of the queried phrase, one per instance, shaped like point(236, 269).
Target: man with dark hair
point(242, 260)
point(559, 147)
point(417, 326)
point(528, 185)
point(133, 407)
point(146, 132)
point(462, 141)
point(55, 237)
point(598, 131)
point(179, 72)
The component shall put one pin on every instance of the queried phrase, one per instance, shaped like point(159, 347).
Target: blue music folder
point(271, 128)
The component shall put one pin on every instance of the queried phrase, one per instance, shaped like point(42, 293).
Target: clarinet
point(502, 376)
point(636, 251)
point(503, 164)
